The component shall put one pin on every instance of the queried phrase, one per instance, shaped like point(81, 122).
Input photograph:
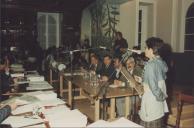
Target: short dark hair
point(156, 44)
point(119, 33)
point(107, 55)
point(95, 57)
point(118, 58)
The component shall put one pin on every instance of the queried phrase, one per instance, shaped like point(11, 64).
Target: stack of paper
point(24, 109)
point(122, 122)
point(54, 102)
point(43, 95)
point(17, 69)
point(39, 85)
point(16, 66)
point(13, 75)
point(68, 118)
point(22, 121)
point(35, 78)
point(21, 102)
point(34, 72)
point(39, 104)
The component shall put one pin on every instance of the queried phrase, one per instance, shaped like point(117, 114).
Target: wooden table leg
point(61, 85)
point(112, 108)
point(97, 110)
point(127, 106)
point(70, 93)
point(50, 76)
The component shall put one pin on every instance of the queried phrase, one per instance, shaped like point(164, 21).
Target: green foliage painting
point(104, 21)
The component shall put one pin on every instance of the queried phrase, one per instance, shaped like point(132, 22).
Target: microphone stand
point(106, 84)
point(103, 101)
point(71, 71)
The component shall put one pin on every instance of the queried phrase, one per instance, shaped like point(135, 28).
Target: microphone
point(61, 67)
point(56, 65)
point(135, 51)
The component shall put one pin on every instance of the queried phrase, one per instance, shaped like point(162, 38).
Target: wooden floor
point(187, 116)
point(86, 108)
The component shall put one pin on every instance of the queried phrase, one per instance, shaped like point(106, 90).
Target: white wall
point(171, 22)
point(164, 20)
point(168, 22)
point(128, 24)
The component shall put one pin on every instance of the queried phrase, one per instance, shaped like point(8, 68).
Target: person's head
point(117, 62)
point(107, 60)
point(94, 59)
point(119, 35)
point(91, 54)
point(130, 63)
point(153, 47)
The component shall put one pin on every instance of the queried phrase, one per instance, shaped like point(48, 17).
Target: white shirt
point(151, 109)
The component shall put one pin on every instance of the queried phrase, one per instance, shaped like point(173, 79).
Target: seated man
point(107, 70)
point(95, 65)
point(122, 81)
point(5, 82)
point(136, 72)
point(134, 69)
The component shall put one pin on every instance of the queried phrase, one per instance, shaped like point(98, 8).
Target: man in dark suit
point(107, 70)
point(120, 81)
point(95, 65)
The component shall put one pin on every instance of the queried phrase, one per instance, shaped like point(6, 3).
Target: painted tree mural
point(104, 21)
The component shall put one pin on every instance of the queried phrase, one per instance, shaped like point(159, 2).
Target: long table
point(91, 92)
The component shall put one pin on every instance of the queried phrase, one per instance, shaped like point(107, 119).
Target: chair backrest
point(182, 98)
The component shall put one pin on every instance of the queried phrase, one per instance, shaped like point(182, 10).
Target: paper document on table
point(17, 69)
point(16, 66)
point(21, 121)
point(55, 110)
point(33, 72)
point(21, 102)
point(39, 104)
point(67, 118)
point(17, 75)
point(122, 122)
point(40, 85)
point(24, 109)
point(35, 78)
point(53, 102)
point(43, 95)
point(99, 123)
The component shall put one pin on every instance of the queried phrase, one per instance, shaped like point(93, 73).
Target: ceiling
point(47, 5)
point(14, 11)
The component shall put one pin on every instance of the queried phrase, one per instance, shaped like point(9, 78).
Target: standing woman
point(153, 105)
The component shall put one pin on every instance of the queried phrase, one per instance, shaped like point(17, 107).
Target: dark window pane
point(189, 42)
point(189, 26)
point(140, 14)
point(139, 39)
point(139, 27)
point(190, 12)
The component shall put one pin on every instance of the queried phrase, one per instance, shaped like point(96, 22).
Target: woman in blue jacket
point(153, 105)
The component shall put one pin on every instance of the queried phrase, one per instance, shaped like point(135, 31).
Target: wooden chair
point(182, 98)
